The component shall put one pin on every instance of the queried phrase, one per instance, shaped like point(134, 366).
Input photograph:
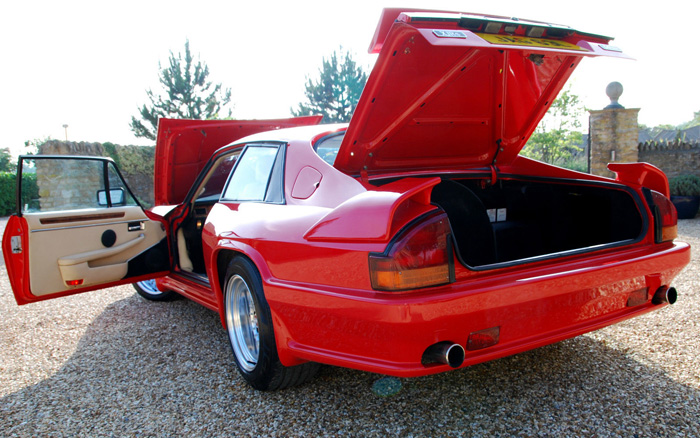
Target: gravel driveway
point(109, 363)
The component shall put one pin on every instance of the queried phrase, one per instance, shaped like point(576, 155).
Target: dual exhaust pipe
point(665, 295)
point(446, 353)
point(452, 354)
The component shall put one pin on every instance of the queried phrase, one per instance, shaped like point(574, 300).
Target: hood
point(184, 146)
point(454, 90)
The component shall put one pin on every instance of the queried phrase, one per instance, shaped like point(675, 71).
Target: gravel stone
point(110, 364)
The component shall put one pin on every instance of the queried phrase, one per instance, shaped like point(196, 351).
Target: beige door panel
point(68, 246)
point(81, 268)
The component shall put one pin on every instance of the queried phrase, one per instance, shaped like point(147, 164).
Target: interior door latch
point(136, 226)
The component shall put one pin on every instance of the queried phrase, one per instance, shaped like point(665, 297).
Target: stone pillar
point(613, 134)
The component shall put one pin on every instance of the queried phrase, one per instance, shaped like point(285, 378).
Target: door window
point(58, 184)
point(212, 185)
point(257, 175)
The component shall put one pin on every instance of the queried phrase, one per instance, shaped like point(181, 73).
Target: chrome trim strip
point(88, 225)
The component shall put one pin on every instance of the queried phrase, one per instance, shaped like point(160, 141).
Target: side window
point(327, 147)
point(55, 184)
point(213, 184)
point(119, 192)
point(253, 178)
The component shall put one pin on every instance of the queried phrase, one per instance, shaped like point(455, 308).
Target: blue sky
point(87, 64)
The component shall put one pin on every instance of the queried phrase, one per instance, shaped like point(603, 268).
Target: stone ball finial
point(614, 91)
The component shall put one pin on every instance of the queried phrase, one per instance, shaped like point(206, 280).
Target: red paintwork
point(422, 110)
point(312, 251)
point(372, 216)
point(184, 146)
point(641, 174)
point(387, 333)
point(17, 263)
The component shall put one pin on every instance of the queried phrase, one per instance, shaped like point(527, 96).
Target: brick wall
point(613, 137)
point(674, 158)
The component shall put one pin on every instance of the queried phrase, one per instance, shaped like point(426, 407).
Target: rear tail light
point(421, 256)
point(665, 217)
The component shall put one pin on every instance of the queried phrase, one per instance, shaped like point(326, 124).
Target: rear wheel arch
point(223, 260)
point(248, 321)
point(224, 257)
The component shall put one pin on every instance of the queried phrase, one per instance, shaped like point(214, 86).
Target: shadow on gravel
point(165, 369)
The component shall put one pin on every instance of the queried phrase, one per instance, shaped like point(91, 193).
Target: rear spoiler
point(376, 215)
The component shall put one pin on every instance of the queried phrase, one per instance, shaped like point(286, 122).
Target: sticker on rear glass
point(514, 40)
point(449, 33)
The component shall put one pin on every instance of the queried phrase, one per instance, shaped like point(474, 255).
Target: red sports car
point(412, 241)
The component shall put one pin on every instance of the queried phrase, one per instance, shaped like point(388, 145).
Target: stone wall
point(613, 136)
point(674, 158)
point(134, 162)
point(58, 189)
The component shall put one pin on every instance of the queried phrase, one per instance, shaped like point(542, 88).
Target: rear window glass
point(327, 148)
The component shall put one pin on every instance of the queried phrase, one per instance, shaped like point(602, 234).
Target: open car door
point(78, 228)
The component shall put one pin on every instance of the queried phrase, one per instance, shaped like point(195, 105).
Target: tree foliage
point(557, 138)
point(32, 146)
point(8, 188)
point(335, 92)
point(187, 94)
point(691, 123)
point(7, 164)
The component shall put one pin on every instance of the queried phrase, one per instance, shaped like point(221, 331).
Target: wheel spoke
point(242, 322)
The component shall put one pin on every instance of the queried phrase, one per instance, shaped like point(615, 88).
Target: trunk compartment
point(519, 219)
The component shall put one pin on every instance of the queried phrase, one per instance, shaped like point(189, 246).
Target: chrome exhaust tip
point(445, 353)
point(665, 295)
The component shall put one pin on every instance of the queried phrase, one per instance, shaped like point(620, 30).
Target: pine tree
point(336, 91)
point(187, 95)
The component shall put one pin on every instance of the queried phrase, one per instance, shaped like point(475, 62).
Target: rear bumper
point(388, 333)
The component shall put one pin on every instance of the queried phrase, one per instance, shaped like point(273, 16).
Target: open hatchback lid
point(184, 146)
point(455, 91)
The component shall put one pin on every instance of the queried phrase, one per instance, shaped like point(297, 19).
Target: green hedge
point(684, 185)
point(30, 191)
point(7, 193)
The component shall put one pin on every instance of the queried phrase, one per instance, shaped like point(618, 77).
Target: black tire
point(251, 333)
point(148, 290)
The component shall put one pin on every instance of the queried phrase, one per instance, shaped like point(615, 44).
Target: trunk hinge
point(494, 169)
point(499, 148)
point(364, 177)
point(494, 175)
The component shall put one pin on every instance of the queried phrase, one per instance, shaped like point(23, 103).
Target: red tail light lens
point(420, 257)
point(483, 338)
point(665, 218)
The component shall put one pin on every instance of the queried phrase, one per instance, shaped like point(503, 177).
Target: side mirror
point(115, 195)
